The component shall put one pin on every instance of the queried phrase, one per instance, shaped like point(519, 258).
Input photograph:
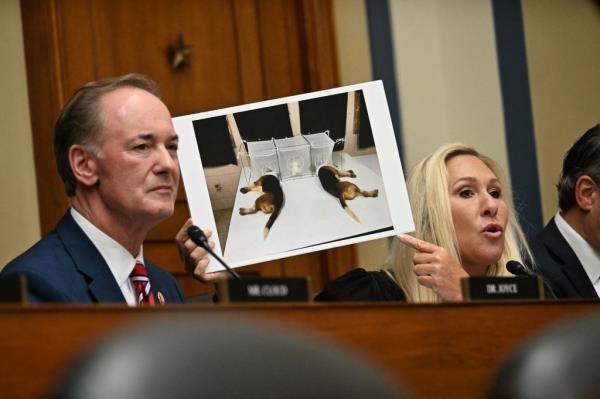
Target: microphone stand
point(199, 238)
point(517, 269)
point(273, 289)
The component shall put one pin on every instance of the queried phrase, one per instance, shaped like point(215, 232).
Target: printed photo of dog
point(270, 202)
point(284, 177)
point(329, 177)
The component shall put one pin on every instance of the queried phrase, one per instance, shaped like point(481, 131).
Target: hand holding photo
point(294, 175)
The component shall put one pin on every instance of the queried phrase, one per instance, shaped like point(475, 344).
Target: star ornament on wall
point(179, 53)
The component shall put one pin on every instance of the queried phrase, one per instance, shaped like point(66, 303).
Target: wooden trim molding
point(45, 86)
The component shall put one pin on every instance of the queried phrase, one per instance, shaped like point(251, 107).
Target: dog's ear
point(84, 165)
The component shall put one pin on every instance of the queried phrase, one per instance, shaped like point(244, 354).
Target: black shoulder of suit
point(361, 285)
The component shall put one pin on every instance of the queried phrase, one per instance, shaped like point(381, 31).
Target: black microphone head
point(199, 238)
point(197, 235)
point(516, 268)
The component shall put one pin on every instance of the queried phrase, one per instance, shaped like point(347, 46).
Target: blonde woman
point(464, 226)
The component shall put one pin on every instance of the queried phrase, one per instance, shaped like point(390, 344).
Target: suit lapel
point(159, 285)
point(556, 244)
point(88, 260)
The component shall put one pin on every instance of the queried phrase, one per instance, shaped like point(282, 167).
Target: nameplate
point(254, 289)
point(489, 288)
point(13, 289)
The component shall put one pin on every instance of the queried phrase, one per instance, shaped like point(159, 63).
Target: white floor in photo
point(310, 215)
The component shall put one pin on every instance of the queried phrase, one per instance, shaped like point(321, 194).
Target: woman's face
point(478, 210)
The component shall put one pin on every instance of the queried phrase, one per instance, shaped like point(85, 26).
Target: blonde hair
point(430, 203)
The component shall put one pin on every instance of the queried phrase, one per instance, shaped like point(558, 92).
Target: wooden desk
point(447, 350)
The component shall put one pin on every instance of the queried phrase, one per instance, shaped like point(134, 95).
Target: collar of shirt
point(119, 260)
point(589, 258)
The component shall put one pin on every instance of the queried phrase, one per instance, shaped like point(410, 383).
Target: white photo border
point(387, 152)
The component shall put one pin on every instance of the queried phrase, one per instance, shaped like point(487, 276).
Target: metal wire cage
point(260, 158)
point(293, 154)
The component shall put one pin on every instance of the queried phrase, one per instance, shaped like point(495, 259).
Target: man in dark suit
point(567, 252)
point(116, 152)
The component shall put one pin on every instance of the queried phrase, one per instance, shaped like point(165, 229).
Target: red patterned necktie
point(141, 283)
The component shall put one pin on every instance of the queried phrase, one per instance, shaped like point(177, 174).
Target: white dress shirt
point(118, 259)
point(588, 256)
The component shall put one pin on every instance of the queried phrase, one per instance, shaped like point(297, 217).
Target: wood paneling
point(241, 51)
point(437, 351)
point(46, 98)
point(252, 82)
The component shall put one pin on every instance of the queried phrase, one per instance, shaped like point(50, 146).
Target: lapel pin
point(161, 298)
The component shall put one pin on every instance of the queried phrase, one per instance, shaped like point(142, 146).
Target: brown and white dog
point(329, 176)
point(270, 202)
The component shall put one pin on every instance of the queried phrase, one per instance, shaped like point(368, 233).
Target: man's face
point(138, 171)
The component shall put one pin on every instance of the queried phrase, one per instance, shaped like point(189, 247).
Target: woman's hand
point(195, 259)
point(436, 268)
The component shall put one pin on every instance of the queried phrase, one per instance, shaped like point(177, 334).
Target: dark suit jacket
point(65, 266)
point(559, 265)
point(361, 285)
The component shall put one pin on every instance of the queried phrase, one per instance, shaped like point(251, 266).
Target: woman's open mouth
point(492, 230)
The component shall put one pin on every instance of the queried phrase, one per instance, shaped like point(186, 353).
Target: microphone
point(518, 269)
point(199, 238)
point(253, 289)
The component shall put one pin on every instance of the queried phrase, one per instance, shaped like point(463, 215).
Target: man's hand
point(195, 258)
point(436, 268)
